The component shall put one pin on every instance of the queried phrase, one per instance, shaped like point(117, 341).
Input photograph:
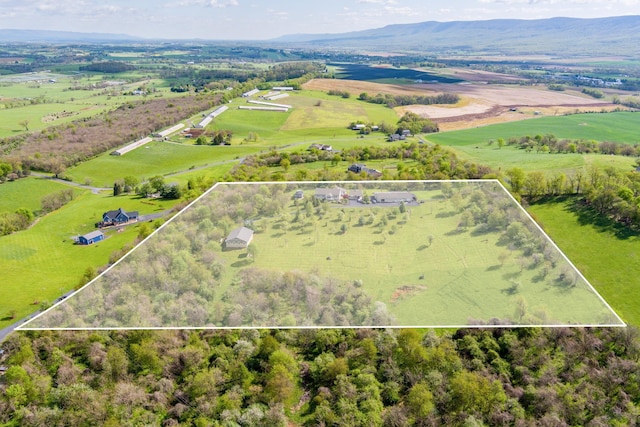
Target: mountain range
point(553, 36)
point(619, 36)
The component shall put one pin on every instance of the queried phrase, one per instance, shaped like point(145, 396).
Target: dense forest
point(324, 377)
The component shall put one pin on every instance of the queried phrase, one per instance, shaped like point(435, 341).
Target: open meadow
point(155, 158)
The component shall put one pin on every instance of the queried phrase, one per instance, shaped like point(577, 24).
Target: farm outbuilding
point(209, 117)
point(394, 197)
point(239, 238)
point(124, 150)
point(91, 238)
point(250, 93)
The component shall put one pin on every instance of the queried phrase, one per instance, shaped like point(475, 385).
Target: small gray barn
point(239, 238)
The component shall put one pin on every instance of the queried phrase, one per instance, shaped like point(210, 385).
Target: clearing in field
point(340, 254)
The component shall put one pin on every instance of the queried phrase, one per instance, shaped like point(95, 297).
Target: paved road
point(4, 333)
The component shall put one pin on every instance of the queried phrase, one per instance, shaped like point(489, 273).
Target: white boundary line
point(25, 327)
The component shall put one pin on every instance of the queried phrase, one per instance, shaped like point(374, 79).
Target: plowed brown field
point(481, 103)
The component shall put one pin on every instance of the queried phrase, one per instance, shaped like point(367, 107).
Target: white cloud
point(217, 4)
point(402, 11)
point(278, 14)
point(377, 1)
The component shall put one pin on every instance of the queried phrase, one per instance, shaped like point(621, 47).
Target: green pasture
point(214, 173)
point(475, 144)
point(305, 121)
point(605, 252)
point(42, 263)
point(617, 126)
point(457, 277)
point(27, 193)
point(241, 122)
point(155, 158)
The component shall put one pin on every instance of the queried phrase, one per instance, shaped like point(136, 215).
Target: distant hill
point(554, 36)
point(46, 36)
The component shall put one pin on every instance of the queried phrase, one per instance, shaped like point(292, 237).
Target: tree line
point(609, 191)
point(392, 101)
point(550, 143)
point(429, 162)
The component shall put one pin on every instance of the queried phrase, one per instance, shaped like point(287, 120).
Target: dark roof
point(114, 214)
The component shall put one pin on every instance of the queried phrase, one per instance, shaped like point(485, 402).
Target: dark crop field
point(369, 73)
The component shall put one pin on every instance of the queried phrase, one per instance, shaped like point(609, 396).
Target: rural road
point(4, 333)
point(94, 190)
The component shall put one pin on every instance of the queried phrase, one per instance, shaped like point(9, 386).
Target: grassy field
point(605, 252)
point(155, 158)
point(473, 144)
point(41, 263)
point(26, 193)
point(314, 115)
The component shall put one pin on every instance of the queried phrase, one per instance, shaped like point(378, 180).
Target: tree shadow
point(242, 263)
point(455, 232)
point(494, 267)
point(445, 214)
point(587, 215)
point(422, 247)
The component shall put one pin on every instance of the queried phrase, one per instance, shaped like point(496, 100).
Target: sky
point(266, 19)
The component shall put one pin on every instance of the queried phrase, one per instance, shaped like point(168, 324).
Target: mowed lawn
point(607, 254)
point(453, 279)
point(42, 263)
point(473, 144)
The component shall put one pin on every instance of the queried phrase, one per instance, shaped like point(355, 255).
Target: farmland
point(480, 145)
point(317, 117)
point(382, 73)
point(416, 260)
point(46, 99)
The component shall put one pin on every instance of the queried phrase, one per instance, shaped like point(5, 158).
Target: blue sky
point(258, 20)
